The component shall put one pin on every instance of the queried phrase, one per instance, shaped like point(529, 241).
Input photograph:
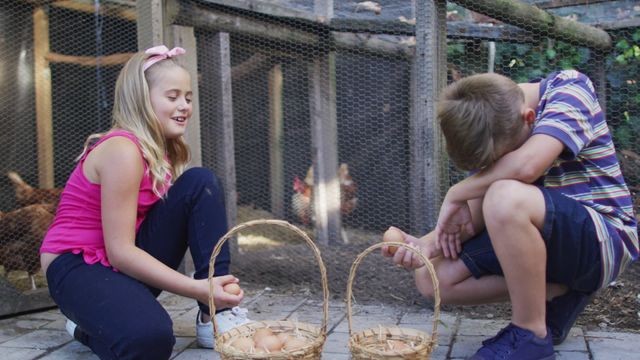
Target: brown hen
point(21, 233)
point(27, 195)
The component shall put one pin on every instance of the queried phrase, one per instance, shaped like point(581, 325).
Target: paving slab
point(42, 335)
point(613, 346)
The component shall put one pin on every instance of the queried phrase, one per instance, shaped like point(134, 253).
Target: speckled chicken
point(301, 200)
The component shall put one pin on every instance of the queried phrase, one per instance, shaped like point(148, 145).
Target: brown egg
point(284, 337)
point(269, 343)
point(395, 235)
point(295, 343)
point(232, 288)
point(262, 332)
point(243, 344)
point(395, 345)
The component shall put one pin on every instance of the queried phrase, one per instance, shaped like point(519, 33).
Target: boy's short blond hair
point(480, 117)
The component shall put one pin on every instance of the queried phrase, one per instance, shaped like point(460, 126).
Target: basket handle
point(427, 263)
point(240, 227)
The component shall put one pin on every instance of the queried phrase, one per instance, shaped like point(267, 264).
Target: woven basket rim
point(429, 340)
point(319, 332)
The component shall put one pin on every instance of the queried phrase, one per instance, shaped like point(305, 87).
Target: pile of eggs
point(265, 340)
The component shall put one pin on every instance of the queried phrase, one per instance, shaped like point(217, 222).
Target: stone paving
point(42, 335)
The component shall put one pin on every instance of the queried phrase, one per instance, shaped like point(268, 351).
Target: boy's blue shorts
point(573, 250)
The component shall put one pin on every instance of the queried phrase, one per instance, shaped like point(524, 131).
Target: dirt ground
point(291, 268)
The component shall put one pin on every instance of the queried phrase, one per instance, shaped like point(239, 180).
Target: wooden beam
point(219, 135)
point(552, 4)
point(540, 21)
point(324, 145)
point(276, 141)
point(109, 60)
point(44, 118)
point(426, 154)
point(192, 14)
point(106, 9)
point(184, 37)
point(151, 23)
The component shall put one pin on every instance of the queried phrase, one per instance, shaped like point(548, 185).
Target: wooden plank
point(219, 134)
point(324, 142)
point(106, 8)
point(109, 60)
point(44, 117)
point(184, 37)
point(518, 13)
point(196, 15)
point(552, 4)
point(276, 141)
point(426, 157)
point(272, 8)
point(509, 33)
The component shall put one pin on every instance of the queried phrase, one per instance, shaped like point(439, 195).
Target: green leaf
point(551, 53)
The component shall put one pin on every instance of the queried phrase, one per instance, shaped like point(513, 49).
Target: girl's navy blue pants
point(119, 317)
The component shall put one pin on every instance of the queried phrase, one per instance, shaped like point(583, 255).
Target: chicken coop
point(318, 112)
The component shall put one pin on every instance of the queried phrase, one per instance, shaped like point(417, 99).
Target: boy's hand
point(454, 218)
point(408, 259)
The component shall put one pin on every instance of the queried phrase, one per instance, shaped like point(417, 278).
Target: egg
point(396, 345)
point(269, 343)
point(294, 344)
point(284, 337)
point(232, 288)
point(395, 235)
point(243, 344)
point(262, 332)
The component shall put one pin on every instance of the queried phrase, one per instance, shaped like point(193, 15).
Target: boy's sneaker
point(516, 343)
point(562, 312)
point(226, 320)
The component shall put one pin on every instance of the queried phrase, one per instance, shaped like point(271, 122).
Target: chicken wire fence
point(303, 119)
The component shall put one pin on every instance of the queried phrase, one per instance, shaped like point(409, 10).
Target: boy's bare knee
point(503, 199)
point(445, 287)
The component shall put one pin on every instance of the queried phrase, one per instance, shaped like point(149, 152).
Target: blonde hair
point(480, 117)
point(132, 112)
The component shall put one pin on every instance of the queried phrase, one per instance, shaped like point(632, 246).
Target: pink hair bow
point(159, 53)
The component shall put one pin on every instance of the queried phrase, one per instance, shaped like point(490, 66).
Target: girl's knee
point(152, 342)
point(201, 178)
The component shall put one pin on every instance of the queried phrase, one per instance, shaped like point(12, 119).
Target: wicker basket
point(374, 343)
point(314, 335)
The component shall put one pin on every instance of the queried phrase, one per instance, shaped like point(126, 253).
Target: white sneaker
point(227, 320)
point(71, 328)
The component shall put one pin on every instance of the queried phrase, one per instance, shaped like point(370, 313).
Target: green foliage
point(524, 62)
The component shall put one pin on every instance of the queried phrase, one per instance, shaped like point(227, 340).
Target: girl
point(123, 224)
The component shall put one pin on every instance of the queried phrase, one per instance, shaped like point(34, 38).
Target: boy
point(546, 215)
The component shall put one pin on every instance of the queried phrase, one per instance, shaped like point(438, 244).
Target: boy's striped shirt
point(588, 169)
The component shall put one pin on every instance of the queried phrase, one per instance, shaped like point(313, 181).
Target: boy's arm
point(525, 164)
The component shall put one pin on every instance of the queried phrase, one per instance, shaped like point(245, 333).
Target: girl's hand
point(454, 218)
point(221, 299)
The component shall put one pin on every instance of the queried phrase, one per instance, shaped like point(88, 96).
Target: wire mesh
point(305, 92)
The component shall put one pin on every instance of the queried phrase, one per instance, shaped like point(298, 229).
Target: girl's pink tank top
point(77, 226)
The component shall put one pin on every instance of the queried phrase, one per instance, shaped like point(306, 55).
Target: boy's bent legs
point(457, 285)
point(514, 215)
point(117, 316)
